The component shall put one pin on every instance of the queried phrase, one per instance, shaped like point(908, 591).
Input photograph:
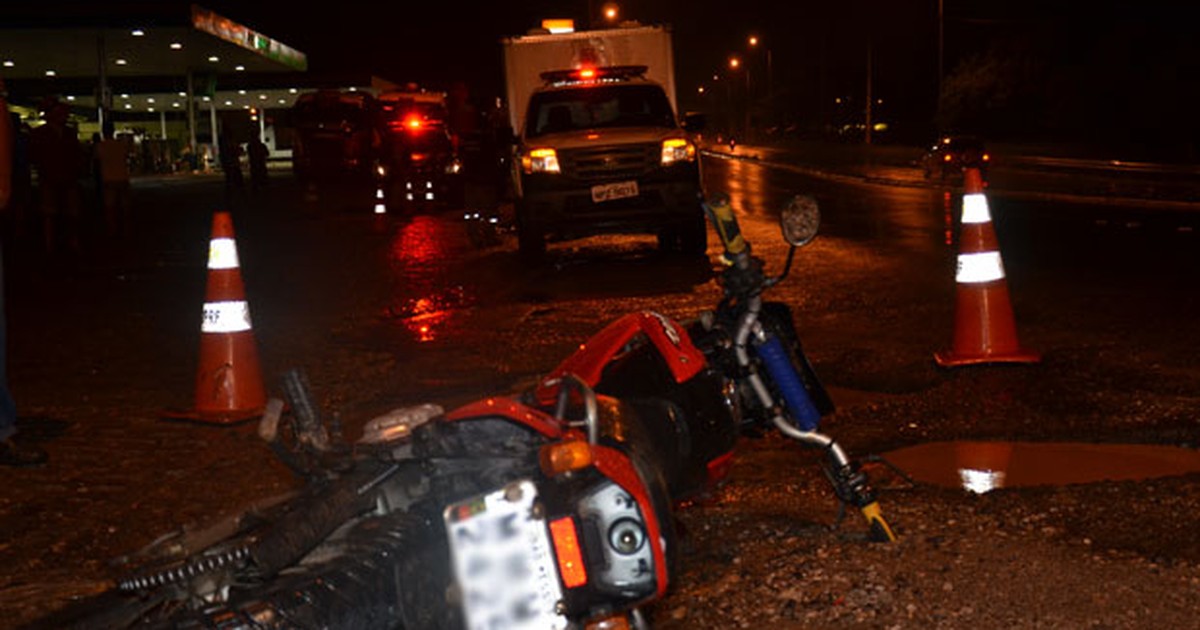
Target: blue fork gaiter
point(795, 397)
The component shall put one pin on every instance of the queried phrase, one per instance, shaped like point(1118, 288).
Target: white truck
point(599, 147)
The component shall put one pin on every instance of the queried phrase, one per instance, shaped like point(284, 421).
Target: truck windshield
point(594, 107)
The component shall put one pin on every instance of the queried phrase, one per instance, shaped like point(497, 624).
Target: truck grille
point(619, 162)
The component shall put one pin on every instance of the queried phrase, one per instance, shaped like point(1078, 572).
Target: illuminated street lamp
point(735, 64)
point(610, 12)
point(753, 40)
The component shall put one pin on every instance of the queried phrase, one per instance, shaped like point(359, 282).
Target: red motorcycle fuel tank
point(645, 357)
point(588, 362)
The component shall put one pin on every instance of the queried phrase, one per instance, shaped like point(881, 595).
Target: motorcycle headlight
point(626, 536)
point(628, 567)
point(543, 160)
point(677, 150)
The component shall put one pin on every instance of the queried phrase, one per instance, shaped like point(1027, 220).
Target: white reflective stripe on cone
point(222, 254)
point(226, 317)
point(975, 209)
point(982, 267)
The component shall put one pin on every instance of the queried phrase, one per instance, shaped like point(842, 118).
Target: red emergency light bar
point(594, 74)
point(414, 123)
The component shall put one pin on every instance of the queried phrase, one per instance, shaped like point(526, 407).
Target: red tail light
point(587, 73)
point(413, 123)
point(570, 556)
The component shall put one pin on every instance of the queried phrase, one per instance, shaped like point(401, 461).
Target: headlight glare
point(540, 161)
point(677, 150)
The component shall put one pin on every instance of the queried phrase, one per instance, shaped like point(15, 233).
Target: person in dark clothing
point(257, 153)
point(13, 452)
point(58, 158)
point(231, 161)
point(20, 200)
point(230, 154)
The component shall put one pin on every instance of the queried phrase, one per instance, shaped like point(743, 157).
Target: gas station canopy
point(146, 64)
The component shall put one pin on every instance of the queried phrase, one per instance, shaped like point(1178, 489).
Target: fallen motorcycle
point(548, 509)
point(493, 515)
point(737, 368)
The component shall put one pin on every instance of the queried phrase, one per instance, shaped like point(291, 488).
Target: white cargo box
point(526, 57)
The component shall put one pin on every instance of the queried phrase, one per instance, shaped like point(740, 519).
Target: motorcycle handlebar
point(720, 213)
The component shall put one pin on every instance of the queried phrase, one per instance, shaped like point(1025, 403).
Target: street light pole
point(941, 55)
point(870, 98)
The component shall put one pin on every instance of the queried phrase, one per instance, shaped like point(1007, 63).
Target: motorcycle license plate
point(618, 190)
point(503, 562)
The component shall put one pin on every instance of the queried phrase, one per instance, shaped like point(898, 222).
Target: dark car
point(336, 136)
point(951, 154)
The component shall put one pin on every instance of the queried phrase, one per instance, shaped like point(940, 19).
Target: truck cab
point(599, 149)
point(419, 161)
point(602, 152)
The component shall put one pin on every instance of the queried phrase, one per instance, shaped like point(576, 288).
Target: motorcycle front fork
point(849, 482)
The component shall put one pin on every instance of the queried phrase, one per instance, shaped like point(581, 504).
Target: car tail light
point(567, 549)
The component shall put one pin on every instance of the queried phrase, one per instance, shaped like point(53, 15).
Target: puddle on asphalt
point(982, 466)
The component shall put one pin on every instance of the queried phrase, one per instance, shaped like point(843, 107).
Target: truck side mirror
point(694, 122)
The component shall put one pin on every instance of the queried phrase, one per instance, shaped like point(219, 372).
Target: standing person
point(257, 153)
point(230, 154)
point(58, 157)
point(20, 199)
point(112, 160)
point(12, 451)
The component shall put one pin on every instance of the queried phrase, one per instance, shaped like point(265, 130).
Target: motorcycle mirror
point(800, 220)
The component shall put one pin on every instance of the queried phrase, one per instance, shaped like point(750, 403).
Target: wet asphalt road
point(386, 311)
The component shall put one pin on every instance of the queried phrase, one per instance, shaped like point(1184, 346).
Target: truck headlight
point(540, 161)
point(677, 150)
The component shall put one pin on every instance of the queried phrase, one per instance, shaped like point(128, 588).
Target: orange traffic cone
point(229, 385)
point(984, 331)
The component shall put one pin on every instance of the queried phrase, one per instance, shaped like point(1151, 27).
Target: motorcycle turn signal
point(562, 457)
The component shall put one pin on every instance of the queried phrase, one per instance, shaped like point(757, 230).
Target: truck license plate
point(503, 562)
point(617, 190)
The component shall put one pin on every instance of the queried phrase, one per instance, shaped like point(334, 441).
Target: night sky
point(1058, 64)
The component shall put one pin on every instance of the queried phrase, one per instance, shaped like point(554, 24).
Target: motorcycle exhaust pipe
point(309, 521)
